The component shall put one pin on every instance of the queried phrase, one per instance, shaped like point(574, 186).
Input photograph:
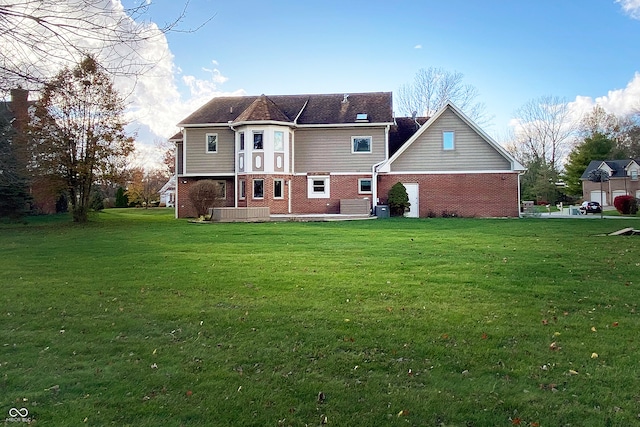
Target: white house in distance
point(168, 193)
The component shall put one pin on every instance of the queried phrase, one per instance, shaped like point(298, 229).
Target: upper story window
point(361, 144)
point(241, 141)
point(258, 143)
point(448, 140)
point(278, 141)
point(212, 142)
point(634, 175)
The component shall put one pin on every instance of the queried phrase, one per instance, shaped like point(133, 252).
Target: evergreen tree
point(595, 147)
point(122, 200)
point(398, 199)
point(14, 188)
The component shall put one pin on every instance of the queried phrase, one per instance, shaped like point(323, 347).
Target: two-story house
point(623, 180)
point(304, 154)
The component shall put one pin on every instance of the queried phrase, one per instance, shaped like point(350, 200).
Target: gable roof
point(297, 110)
point(515, 165)
point(618, 167)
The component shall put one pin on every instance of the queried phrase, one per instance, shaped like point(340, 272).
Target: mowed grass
point(140, 319)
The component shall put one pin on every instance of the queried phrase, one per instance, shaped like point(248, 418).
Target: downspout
point(175, 168)
point(519, 195)
point(235, 167)
point(374, 170)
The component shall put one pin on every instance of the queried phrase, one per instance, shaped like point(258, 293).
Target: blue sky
point(512, 51)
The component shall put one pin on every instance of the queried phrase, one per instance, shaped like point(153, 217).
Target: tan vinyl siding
point(471, 151)
point(199, 161)
point(329, 150)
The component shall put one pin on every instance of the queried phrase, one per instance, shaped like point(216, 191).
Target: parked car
point(590, 207)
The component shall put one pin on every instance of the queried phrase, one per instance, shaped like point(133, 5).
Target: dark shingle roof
point(617, 166)
point(309, 109)
point(404, 129)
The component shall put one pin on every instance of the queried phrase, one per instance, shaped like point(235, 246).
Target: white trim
point(360, 185)
point(195, 175)
point(253, 189)
point(453, 140)
point(206, 142)
point(370, 138)
point(281, 197)
point(461, 172)
point(341, 125)
point(326, 194)
point(515, 165)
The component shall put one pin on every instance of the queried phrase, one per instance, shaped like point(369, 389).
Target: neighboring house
point(308, 154)
point(168, 193)
point(44, 192)
point(623, 180)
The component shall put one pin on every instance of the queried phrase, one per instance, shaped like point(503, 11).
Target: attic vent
point(345, 99)
point(362, 117)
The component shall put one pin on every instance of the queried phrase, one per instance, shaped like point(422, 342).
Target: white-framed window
point(258, 141)
point(243, 189)
point(634, 175)
point(361, 144)
point(364, 186)
point(222, 189)
point(212, 142)
point(318, 187)
point(241, 141)
point(448, 140)
point(278, 188)
point(258, 188)
point(278, 141)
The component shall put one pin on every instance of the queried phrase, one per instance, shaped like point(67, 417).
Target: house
point(623, 180)
point(168, 193)
point(310, 154)
point(44, 192)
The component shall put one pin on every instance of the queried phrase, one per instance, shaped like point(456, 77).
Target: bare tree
point(145, 186)
point(433, 87)
point(544, 133)
point(168, 150)
point(39, 37)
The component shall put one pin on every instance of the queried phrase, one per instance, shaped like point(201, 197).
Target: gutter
point(374, 168)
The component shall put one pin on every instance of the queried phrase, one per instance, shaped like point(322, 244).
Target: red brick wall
point(609, 187)
point(340, 187)
point(184, 206)
point(466, 195)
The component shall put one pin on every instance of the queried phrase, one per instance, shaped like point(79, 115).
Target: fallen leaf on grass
point(593, 329)
point(403, 413)
point(572, 372)
point(484, 336)
point(615, 324)
point(594, 355)
point(554, 346)
point(323, 419)
point(545, 322)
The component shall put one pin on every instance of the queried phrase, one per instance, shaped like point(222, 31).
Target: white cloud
point(418, 46)
point(621, 102)
point(631, 7)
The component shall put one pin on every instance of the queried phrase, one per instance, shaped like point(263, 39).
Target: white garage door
point(617, 193)
point(595, 197)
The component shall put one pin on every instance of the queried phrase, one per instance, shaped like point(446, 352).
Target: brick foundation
point(465, 195)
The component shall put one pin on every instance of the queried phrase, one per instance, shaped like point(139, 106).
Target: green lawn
point(140, 319)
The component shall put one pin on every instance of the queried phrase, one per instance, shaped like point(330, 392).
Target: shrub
point(626, 205)
point(398, 199)
point(206, 194)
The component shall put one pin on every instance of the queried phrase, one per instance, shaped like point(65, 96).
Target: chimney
point(20, 107)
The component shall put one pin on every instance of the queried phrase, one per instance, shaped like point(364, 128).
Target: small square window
point(364, 186)
point(243, 189)
point(448, 140)
point(212, 142)
point(277, 188)
point(257, 141)
point(241, 141)
point(361, 144)
point(318, 187)
point(278, 141)
point(258, 188)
